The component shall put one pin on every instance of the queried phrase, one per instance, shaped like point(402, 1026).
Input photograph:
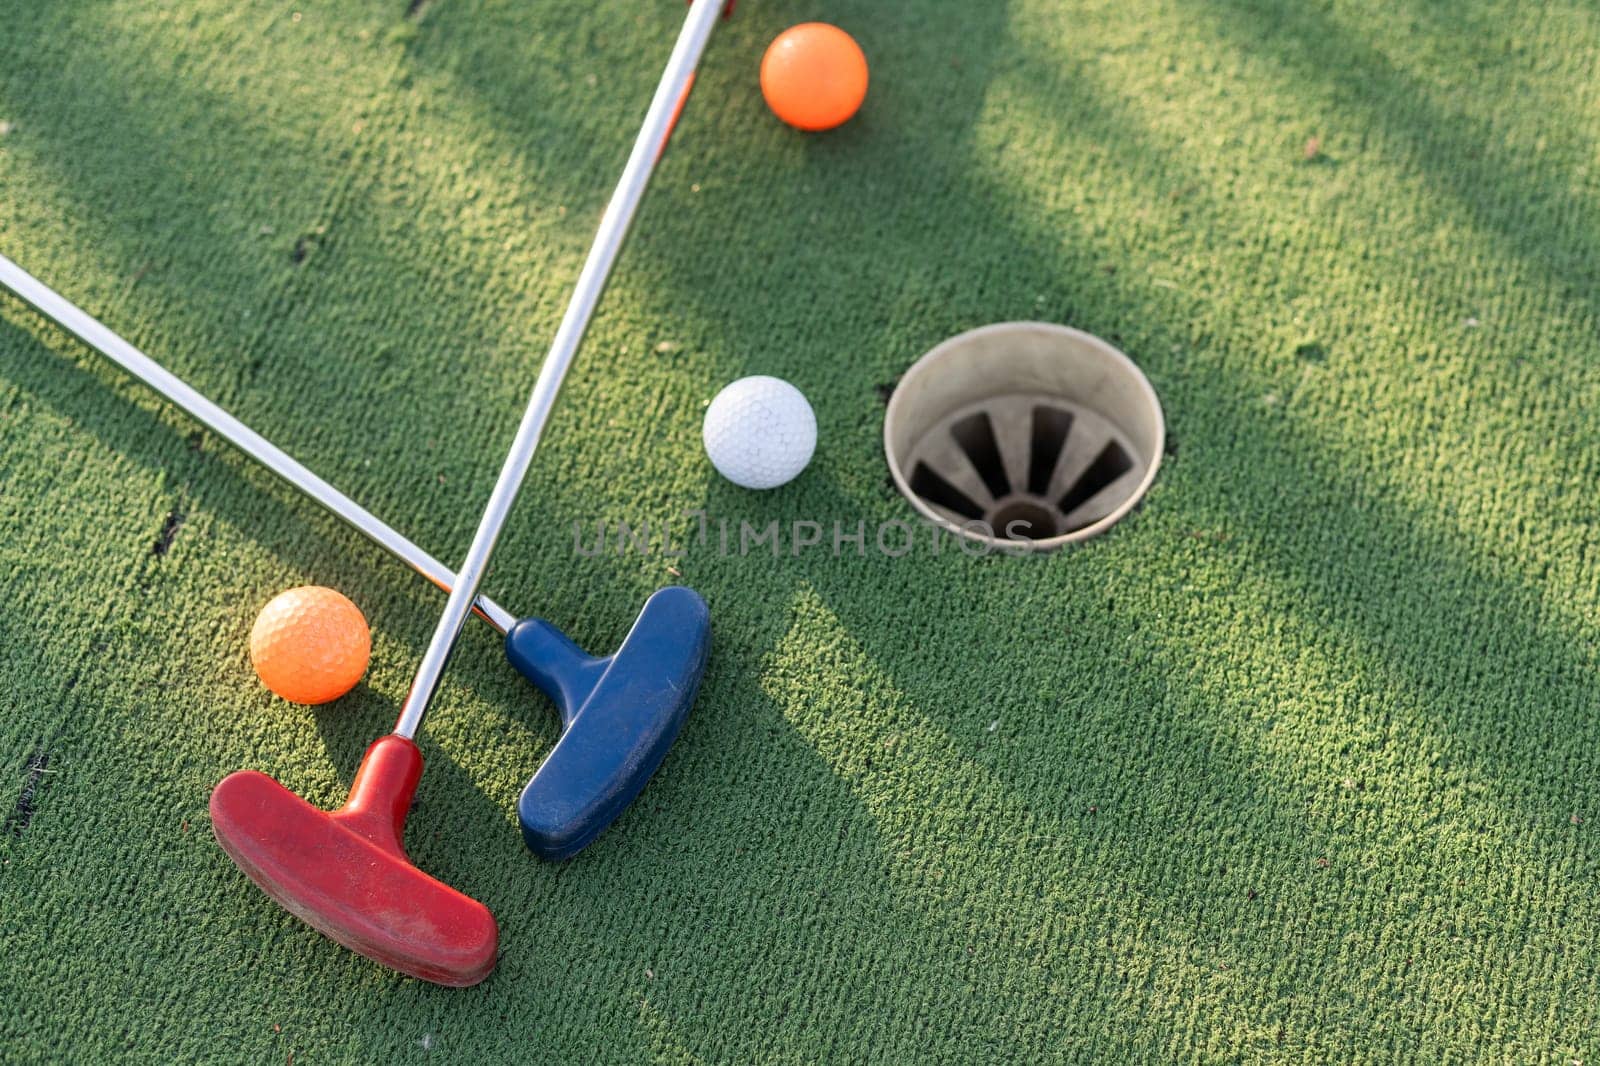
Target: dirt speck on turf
point(33, 784)
point(169, 532)
point(1313, 148)
point(305, 243)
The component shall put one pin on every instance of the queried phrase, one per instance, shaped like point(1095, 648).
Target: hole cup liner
point(1024, 431)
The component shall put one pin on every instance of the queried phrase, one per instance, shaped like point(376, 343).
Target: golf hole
point(1039, 432)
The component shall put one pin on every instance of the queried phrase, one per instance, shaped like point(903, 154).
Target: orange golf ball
point(310, 644)
point(814, 76)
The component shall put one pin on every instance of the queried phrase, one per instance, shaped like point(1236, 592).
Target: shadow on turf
point(810, 863)
point(1462, 635)
point(1498, 188)
point(1290, 482)
point(838, 848)
point(1470, 599)
point(267, 317)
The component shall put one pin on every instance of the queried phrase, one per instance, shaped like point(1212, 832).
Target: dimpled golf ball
point(310, 645)
point(814, 76)
point(760, 432)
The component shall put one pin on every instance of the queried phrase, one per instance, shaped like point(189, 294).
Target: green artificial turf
point(1300, 763)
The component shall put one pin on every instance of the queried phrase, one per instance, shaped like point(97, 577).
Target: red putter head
point(346, 874)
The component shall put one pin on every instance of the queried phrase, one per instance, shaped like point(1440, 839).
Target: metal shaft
point(591, 283)
point(180, 394)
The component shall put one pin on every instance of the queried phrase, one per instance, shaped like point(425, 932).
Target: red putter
point(346, 874)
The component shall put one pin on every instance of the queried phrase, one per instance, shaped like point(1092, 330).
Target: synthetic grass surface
point(1300, 763)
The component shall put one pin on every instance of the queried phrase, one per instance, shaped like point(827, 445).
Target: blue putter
point(619, 715)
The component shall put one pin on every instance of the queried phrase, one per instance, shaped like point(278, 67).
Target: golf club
point(346, 873)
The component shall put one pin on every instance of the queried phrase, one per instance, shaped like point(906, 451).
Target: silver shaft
point(90, 331)
point(591, 283)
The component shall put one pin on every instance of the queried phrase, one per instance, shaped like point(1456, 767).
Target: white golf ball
point(760, 432)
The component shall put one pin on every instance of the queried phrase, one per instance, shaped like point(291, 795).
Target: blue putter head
point(619, 715)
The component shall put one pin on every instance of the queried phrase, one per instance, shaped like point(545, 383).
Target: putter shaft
point(180, 394)
point(586, 294)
